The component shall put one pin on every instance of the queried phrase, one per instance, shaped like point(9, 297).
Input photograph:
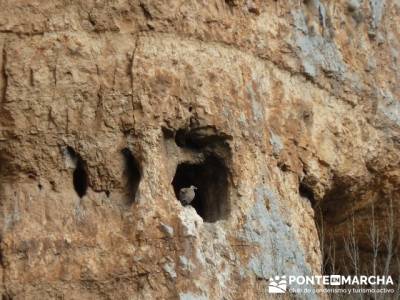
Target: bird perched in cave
point(186, 195)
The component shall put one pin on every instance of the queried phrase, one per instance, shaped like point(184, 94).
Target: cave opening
point(188, 139)
point(357, 231)
point(132, 173)
point(306, 191)
point(80, 177)
point(211, 179)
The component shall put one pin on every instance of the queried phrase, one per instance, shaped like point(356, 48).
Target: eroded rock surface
point(288, 111)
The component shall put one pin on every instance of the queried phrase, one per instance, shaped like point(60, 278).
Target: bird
point(186, 195)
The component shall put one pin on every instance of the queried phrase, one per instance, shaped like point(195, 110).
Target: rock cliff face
point(284, 114)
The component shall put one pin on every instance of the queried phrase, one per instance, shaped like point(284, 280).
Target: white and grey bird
point(186, 195)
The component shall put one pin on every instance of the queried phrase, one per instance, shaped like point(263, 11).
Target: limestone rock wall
point(102, 103)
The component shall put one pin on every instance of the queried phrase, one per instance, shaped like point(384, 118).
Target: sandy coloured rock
point(284, 114)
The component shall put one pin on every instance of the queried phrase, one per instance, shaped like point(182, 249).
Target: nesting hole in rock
point(132, 173)
point(80, 176)
point(199, 139)
point(6, 296)
point(168, 133)
point(230, 2)
point(306, 192)
point(211, 179)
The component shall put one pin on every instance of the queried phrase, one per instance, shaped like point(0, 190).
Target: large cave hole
point(80, 178)
point(132, 174)
point(357, 231)
point(211, 179)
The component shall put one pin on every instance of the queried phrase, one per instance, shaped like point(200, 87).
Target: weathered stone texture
point(284, 94)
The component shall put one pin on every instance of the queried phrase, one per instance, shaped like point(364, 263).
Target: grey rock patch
point(168, 230)
point(169, 268)
point(190, 296)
